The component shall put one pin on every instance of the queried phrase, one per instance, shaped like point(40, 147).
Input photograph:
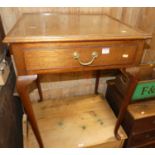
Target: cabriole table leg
point(126, 101)
point(22, 87)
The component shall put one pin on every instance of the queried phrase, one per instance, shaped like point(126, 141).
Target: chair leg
point(22, 88)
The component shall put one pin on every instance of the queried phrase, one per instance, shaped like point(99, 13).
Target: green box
point(144, 90)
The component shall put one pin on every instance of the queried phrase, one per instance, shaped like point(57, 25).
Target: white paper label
point(125, 55)
point(105, 50)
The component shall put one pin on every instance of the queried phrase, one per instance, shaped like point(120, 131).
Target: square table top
point(43, 27)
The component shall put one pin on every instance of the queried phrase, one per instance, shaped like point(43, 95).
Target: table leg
point(39, 89)
point(126, 101)
point(97, 81)
point(22, 87)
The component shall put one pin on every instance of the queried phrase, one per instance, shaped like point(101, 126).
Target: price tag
point(105, 50)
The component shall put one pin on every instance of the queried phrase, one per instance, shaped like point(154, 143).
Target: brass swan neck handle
point(76, 56)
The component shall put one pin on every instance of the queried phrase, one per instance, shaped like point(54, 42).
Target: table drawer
point(47, 57)
point(148, 145)
point(142, 138)
point(145, 124)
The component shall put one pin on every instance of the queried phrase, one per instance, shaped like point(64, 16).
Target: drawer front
point(150, 145)
point(140, 139)
point(145, 124)
point(48, 57)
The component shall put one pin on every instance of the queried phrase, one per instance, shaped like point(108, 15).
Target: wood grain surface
point(139, 121)
point(142, 18)
point(58, 57)
point(142, 109)
point(137, 17)
point(128, 15)
point(43, 27)
point(89, 118)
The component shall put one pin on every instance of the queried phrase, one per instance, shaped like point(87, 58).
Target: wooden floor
point(85, 121)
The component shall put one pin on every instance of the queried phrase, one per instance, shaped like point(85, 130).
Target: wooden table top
point(43, 27)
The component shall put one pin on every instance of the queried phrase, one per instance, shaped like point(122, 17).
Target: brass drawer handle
point(76, 56)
